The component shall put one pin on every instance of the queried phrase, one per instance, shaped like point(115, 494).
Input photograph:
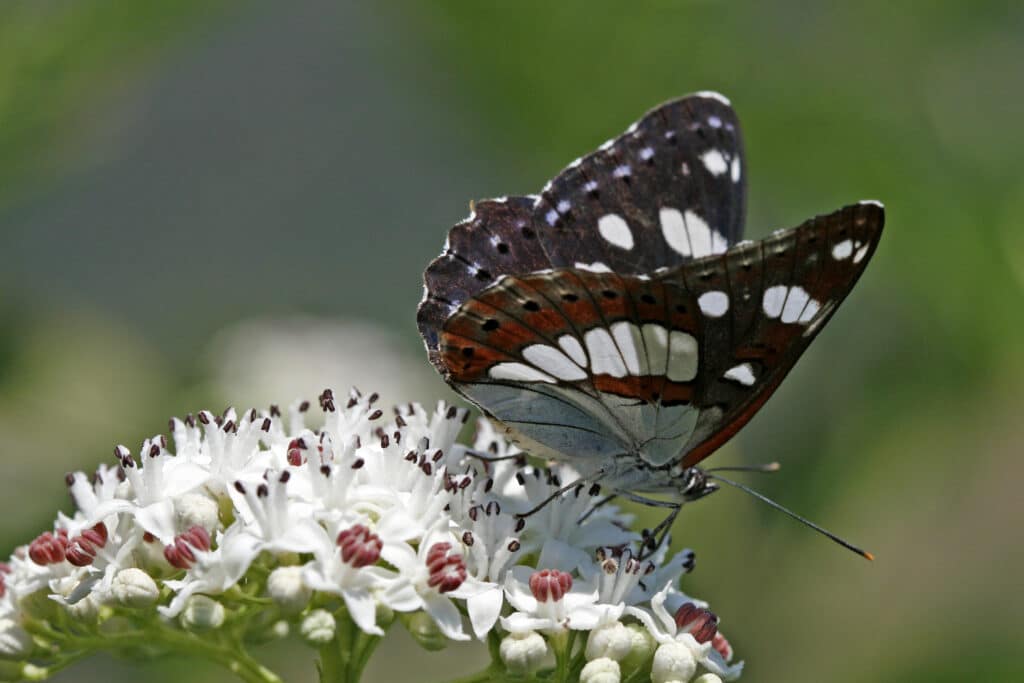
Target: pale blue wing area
point(567, 423)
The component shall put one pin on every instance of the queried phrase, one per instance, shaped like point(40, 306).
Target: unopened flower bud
point(673, 663)
point(318, 627)
point(196, 509)
point(707, 678)
point(601, 670)
point(14, 641)
point(133, 587)
point(286, 588)
point(202, 613)
point(425, 631)
point(523, 653)
point(612, 641)
point(641, 650)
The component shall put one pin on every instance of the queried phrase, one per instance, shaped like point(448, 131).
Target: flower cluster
point(340, 525)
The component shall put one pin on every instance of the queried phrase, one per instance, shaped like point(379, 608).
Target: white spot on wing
point(734, 169)
point(774, 299)
point(703, 240)
point(842, 250)
point(861, 253)
point(674, 230)
point(604, 355)
point(563, 206)
point(554, 362)
point(656, 341)
point(615, 229)
point(742, 373)
point(714, 304)
point(714, 162)
point(688, 234)
point(682, 356)
point(595, 267)
point(571, 345)
point(789, 304)
point(714, 122)
point(629, 339)
point(590, 186)
point(519, 372)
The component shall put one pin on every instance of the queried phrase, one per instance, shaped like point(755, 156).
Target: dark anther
point(595, 489)
point(467, 538)
point(375, 415)
point(513, 545)
point(304, 406)
point(520, 524)
point(451, 412)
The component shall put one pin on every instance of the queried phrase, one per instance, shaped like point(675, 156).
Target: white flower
point(345, 566)
point(558, 522)
point(490, 544)
point(549, 600)
point(430, 577)
point(523, 652)
point(691, 627)
point(214, 571)
point(601, 670)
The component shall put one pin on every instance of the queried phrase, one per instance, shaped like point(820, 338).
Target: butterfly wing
point(666, 368)
point(668, 190)
point(778, 295)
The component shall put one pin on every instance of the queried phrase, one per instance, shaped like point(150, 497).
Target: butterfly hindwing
point(666, 367)
point(781, 293)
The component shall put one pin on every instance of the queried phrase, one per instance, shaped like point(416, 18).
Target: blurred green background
point(207, 202)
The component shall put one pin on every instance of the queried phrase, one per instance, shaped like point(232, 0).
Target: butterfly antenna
point(767, 467)
point(806, 522)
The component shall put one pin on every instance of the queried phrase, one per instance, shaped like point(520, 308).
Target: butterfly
point(616, 321)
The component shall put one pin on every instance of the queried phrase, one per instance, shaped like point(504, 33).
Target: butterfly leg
point(653, 538)
point(601, 503)
point(568, 487)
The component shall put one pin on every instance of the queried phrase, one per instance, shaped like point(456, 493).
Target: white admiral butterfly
point(616, 321)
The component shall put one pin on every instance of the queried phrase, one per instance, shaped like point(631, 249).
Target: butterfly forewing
point(670, 189)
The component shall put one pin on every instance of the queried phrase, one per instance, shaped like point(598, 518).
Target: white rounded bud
point(14, 641)
point(613, 641)
point(673, 663)
point(133, 587)
point(601, 670)
point(707, 678)
point(641, 649)
point(318, 627)
point(523, 652)
point(286, 587)
point(196, 509)
point(202, 613)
